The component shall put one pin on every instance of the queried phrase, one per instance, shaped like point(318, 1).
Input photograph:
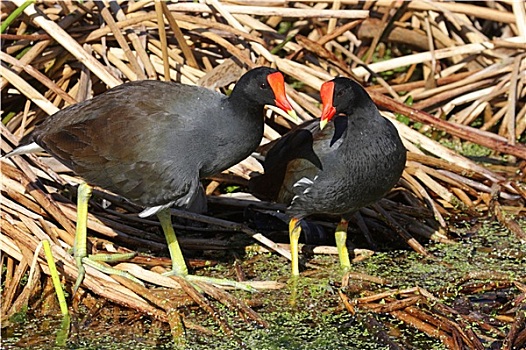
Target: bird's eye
point(263, 86)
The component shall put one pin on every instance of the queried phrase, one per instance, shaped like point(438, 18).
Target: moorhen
point(151, 141)
point(333, 168)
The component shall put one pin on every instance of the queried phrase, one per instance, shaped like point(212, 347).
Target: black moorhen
point(151, 141)
point(333, 168)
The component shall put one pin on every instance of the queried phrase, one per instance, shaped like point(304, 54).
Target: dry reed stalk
point(423, 311)
point(76, 50)
point(104, 11)
point(26, 89)
point(271, 11)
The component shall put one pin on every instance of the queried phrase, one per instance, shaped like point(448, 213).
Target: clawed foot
point(178, 263)
point(215, 281)
point(96, 261)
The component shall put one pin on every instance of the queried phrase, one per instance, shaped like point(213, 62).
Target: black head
point(262, 86)
point(342, 96)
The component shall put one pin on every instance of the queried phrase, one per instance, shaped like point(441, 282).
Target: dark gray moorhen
point(333, 168)
point(151, 141)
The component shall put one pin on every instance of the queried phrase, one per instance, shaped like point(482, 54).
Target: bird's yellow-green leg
point(81, 232)
point(294, 236)
point(80, 251)
point(178, 264)
point(341, 238)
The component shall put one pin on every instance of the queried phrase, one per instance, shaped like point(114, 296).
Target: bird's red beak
point(328, 111)
point(277, 83)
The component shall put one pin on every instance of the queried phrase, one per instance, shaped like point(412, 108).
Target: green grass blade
point(14, 15)
point(55, 278)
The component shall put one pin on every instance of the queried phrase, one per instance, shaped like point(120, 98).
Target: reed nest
point(449, 75)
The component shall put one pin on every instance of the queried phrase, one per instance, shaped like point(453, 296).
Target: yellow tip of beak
point(323, 123)
point(293, 114)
